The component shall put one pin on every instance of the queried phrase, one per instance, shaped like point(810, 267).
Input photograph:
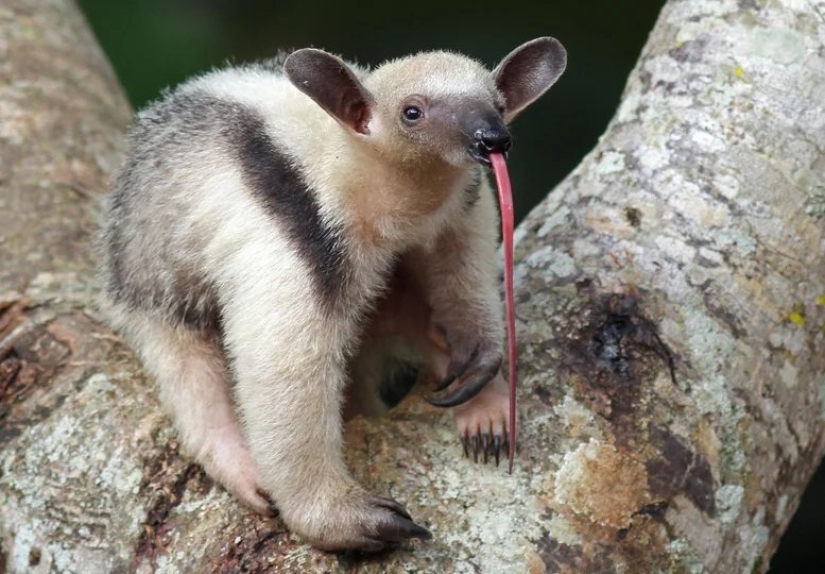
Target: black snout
point(490, 137)
point(494, 140)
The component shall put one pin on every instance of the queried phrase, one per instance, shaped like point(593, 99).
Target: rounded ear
point(529, 71)
point(329, 81)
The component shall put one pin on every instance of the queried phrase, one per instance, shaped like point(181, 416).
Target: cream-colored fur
point(288, 354)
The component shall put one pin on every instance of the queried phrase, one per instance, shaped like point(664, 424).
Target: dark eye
point(500, 110)
point(413, 114)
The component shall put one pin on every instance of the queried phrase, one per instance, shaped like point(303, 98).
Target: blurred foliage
point(157, 43)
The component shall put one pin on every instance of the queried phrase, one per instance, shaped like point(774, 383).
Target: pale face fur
point(248, 250)
point(446, 87)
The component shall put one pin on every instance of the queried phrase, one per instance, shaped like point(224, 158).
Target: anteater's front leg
point(289, 363)
point(459, 278)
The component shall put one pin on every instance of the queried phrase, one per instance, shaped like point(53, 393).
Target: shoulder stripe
point(281, 188)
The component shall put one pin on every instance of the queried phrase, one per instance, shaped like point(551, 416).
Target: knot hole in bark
point(621, 338)
point(613, 353)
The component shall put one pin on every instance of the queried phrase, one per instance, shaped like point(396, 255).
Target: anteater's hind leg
point(194, 388)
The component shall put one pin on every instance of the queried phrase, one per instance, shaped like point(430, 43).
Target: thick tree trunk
point(671, 300)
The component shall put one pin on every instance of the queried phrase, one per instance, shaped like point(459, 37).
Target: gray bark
point(671, 301)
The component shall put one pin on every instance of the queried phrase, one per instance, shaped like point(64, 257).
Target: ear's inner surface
point(329, 81)
point(355, 110)
point(529, 71)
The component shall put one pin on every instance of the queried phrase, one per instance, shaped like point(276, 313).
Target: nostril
point(493, 141)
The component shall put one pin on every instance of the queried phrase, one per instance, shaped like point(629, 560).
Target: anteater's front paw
point(473, 364)
point(483, 421)
point(361, 521)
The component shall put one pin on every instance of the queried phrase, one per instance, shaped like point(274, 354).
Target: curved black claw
point(475, 381)
point(461, 394)
point(457, 369)
point(273, 510)
point(399, 527)
point(391, 504)
point(484, 445)
point(445, 383)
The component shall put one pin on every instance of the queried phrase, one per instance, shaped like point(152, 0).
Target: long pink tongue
point(505, 198)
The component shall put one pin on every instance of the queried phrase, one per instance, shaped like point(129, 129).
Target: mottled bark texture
point(671, 300)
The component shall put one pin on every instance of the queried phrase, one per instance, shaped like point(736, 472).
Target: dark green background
point(157, 43)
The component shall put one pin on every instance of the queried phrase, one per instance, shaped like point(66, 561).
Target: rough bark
point(671, 300)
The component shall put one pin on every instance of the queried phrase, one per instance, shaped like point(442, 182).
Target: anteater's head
point(433, 105)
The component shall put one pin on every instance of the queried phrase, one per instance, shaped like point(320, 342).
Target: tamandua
point(275, 224)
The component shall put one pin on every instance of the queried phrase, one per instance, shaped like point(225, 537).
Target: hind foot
point(226, 458)
point(482, 422)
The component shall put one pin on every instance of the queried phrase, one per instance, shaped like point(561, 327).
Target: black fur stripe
point(284, 192)
point(145, 270)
